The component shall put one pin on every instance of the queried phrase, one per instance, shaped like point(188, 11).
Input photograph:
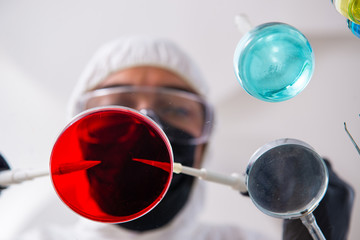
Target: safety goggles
point(184, 116)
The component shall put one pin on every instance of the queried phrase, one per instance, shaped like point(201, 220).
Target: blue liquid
point(355, 28)
point(274, 62)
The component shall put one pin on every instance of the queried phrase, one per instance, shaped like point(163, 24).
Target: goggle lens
point(180, 109)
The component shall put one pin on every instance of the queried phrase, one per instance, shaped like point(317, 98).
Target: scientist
point(127, 71)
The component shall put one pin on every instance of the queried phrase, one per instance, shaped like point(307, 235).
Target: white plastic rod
point(9, 177)
point(234, 180)
point(243, 23)
point(314, 230)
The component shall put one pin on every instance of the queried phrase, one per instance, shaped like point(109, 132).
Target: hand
point(332, 215)
point(3, 166)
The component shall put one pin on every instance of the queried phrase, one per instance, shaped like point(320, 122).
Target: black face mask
point(177, 194)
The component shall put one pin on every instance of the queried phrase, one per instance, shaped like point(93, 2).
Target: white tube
point(235, 181)
point(9, 177)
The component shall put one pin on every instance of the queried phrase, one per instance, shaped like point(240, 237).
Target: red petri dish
point(111, 164)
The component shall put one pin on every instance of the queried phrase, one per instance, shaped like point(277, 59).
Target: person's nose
point(143, 103)
point(151, 114)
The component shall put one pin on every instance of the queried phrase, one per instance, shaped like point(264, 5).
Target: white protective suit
point(144, 51)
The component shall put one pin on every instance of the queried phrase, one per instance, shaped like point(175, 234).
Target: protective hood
point(137, 51)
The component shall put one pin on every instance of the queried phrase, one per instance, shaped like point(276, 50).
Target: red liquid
point(112, 187)
point(73, 167)
point(161, 165)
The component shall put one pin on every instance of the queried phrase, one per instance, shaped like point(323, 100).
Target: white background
point(44, 46)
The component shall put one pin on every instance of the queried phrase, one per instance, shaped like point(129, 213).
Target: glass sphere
point(274, 62)
point(355, 28)
point(349, 9)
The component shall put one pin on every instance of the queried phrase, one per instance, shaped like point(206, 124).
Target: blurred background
point(44, 46)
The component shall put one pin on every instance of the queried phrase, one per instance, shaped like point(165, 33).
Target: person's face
point(180, 112)
point(153, 77)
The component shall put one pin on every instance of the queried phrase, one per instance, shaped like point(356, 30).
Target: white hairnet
point(137, 51)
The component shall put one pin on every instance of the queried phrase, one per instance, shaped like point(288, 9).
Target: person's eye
point(176, 112)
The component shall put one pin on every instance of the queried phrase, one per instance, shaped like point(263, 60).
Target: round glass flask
point(274, 62)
